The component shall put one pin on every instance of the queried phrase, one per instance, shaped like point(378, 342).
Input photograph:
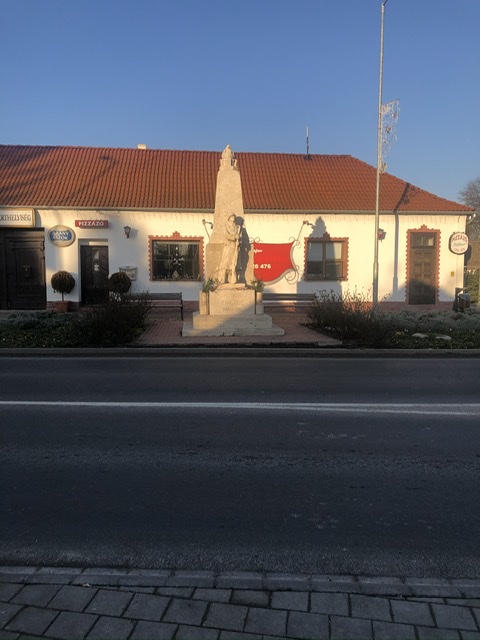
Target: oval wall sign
point(459, 243)
point(61, 236)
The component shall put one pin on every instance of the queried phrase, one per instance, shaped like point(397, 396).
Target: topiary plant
point(62, 282)
point(119, 283)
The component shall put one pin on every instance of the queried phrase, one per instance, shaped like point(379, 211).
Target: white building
point(310, 221)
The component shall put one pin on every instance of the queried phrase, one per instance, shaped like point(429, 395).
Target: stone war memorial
point(231, 306)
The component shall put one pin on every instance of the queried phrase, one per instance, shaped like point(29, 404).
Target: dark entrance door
point(22, 256)
point(422, 277)
point(94, 273)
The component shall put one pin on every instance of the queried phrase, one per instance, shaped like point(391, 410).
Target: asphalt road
point(287, 464)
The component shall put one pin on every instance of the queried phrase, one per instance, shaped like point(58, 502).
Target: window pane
point(315, 251)
point(175, 260)
point(333, 250)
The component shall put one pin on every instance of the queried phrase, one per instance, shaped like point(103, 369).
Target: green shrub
point(62, 282)
point(119, 283)
point(114, 323)
point(352, 319)
point(471, 284)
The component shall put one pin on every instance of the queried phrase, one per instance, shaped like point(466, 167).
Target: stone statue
point(231, 246)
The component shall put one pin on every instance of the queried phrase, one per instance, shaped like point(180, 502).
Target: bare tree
point(470, 195)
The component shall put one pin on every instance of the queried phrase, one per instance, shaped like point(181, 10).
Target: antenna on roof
point(307, 157)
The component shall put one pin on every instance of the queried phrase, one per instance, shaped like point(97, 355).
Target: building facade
point(308, 221)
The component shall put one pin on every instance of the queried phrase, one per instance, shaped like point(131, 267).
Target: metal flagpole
point(379, 162)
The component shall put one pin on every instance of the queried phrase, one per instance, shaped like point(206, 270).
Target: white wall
point(359, 228)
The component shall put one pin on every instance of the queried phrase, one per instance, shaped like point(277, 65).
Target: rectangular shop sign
point(17, 218)
point(91, 224)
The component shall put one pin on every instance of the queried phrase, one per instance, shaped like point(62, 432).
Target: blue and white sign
point(61, 236)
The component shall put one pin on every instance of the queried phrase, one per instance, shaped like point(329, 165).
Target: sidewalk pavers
point(190, 605)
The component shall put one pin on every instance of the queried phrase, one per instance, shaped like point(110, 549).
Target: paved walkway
point(165, 328)
point(102, 604)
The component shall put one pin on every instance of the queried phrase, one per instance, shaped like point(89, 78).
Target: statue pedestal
point(231, 311)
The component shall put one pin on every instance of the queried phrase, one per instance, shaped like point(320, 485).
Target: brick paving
point(164, 327)
point(107, 604)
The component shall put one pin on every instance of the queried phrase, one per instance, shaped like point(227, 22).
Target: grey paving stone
point(392, 631)
point(71, 626)
point(185, 611)
point(465, 635)
point(234, 635)
point(350, 629)
point(8, 590)
point(72, 598)
point(251, 597)
point(111, 629)
point(101, 580)
point(146, 607)
point(240, 580)
point(213, 595)
point(333, 603)
point(36, 595)
point(412, 613)
point(450, 617)
point(137, 589)
point(191, 579)
point(370, 607)
point(32, 620)
point(291, 600)
point(196, 633)
point(176, 592)
point(327, 584)
point(62, 571)
point(288, 581)
point(7, 612)
point(307, 625)
point(108, 602)
point(96, 571)
point(427, 633)
point(266, 621)
point(464, 602)
point(153, 631)
point(476, 614)
point(226, 616)
point(18, 571)
point(8, 635)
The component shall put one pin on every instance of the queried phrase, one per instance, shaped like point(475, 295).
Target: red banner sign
point(272, 261)
point(87, 224)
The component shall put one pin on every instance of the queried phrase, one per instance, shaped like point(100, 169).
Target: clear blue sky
point(200, 74)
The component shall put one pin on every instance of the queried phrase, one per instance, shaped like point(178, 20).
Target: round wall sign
point(459, 243)
point(61, 236)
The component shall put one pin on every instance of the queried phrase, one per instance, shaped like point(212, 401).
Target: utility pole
point(379, 161)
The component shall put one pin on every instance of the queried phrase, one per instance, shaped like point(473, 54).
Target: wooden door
point(94, 274)
point(422, 277)
point(24, 259)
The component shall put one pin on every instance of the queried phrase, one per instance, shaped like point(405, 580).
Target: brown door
point(94, 273)
point(23, 255)
point(422, 277)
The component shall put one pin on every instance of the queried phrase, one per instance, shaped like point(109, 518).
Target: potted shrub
point(62, 282)
point(119, 284)
point(207, 286)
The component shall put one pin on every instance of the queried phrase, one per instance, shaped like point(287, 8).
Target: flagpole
point(379, 162)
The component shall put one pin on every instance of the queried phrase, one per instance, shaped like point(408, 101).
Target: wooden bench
point(294, 298)
point(166, 301)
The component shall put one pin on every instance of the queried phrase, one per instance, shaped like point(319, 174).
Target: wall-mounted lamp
point(382, 234)
point(309, 224)
point(127, 230)
point(205, 222)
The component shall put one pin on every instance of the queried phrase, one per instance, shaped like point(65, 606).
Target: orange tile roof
point(103, 178)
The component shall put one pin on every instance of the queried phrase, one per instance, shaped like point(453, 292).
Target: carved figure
point(231, 244)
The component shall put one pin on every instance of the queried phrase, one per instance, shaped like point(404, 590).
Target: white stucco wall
point(270, 228)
